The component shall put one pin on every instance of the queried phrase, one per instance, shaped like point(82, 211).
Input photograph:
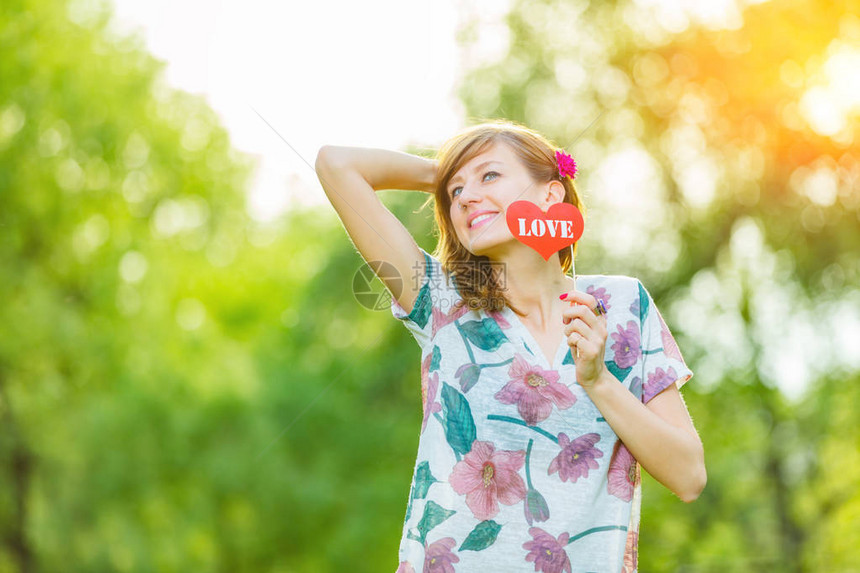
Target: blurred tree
point(180, 386)
point(117, 195)
point(721, 168)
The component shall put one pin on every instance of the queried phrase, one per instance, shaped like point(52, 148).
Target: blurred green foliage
point(183, 388)
point(745, 216)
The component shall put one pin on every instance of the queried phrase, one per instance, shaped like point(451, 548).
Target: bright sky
point(378, 73)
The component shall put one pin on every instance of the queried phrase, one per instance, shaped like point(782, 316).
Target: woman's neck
point(534, 285)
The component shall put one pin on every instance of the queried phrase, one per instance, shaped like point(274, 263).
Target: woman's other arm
point(659, 434)
point(350, 176)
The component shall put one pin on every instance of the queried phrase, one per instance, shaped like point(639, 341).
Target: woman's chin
point(476, 247)
point(480, 248)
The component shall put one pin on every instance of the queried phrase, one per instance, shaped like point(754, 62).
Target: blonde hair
point(475, 279)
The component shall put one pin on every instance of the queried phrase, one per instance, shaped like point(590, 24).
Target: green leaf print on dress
point(568, 358)
point(484, 535)
point(423, 306)
point(436, 359)
point(620, 373)
point(485, 334)
point(434, 514)
point(644, 304)
point(535, 507)
point(468, 375)
point(459, 425)
point(420, 484)
point(423, 480)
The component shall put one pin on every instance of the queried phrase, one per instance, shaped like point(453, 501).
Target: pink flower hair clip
point(566, 164)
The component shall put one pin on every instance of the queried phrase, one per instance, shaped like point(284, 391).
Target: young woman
point(541, 394)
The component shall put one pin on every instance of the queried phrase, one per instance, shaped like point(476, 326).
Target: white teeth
point(480, 218)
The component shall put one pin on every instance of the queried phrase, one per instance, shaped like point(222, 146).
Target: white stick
point(573, 268)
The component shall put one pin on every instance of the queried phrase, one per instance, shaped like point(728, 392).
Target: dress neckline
point(551, 362)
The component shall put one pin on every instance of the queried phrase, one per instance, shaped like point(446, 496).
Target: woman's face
point(481, 190)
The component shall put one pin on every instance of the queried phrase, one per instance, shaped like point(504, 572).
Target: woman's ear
point(553, 193)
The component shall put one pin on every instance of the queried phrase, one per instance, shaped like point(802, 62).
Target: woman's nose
point(463, 201)
point(469, 193)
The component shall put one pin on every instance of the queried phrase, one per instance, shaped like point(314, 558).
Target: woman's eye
point(456, 189)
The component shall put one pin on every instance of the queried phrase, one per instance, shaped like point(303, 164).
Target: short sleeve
point(662, 364)
point(436, 297)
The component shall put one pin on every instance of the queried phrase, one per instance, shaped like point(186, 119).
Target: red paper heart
point(547, 233)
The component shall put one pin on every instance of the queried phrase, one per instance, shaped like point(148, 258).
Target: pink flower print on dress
point(658, 381)
point(438, 557)
point(441, 319)
point(547, 552)
point(429, 387)
point(534, 391)
point(486, 477)
point(626, 347)
point(576, 457)
point(670, 347)
point(425, 374)
point(623, 473)
point(428, 396)
point(405, 567)
point(600, 294)
point(535, 507)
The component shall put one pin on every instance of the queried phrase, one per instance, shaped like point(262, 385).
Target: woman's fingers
point(576, 298)
point(580, 298)
point(581, 313)
point(579, 327)
point(587, 349)
point(585, 329)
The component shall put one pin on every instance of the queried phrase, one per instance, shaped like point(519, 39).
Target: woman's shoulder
point(437, 276)
point(608, 282)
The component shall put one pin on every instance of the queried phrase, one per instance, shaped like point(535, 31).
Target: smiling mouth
point(481, 220)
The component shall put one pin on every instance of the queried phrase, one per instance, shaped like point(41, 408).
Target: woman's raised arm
point(350, 176)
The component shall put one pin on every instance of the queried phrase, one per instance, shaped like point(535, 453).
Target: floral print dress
point(517, 470)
